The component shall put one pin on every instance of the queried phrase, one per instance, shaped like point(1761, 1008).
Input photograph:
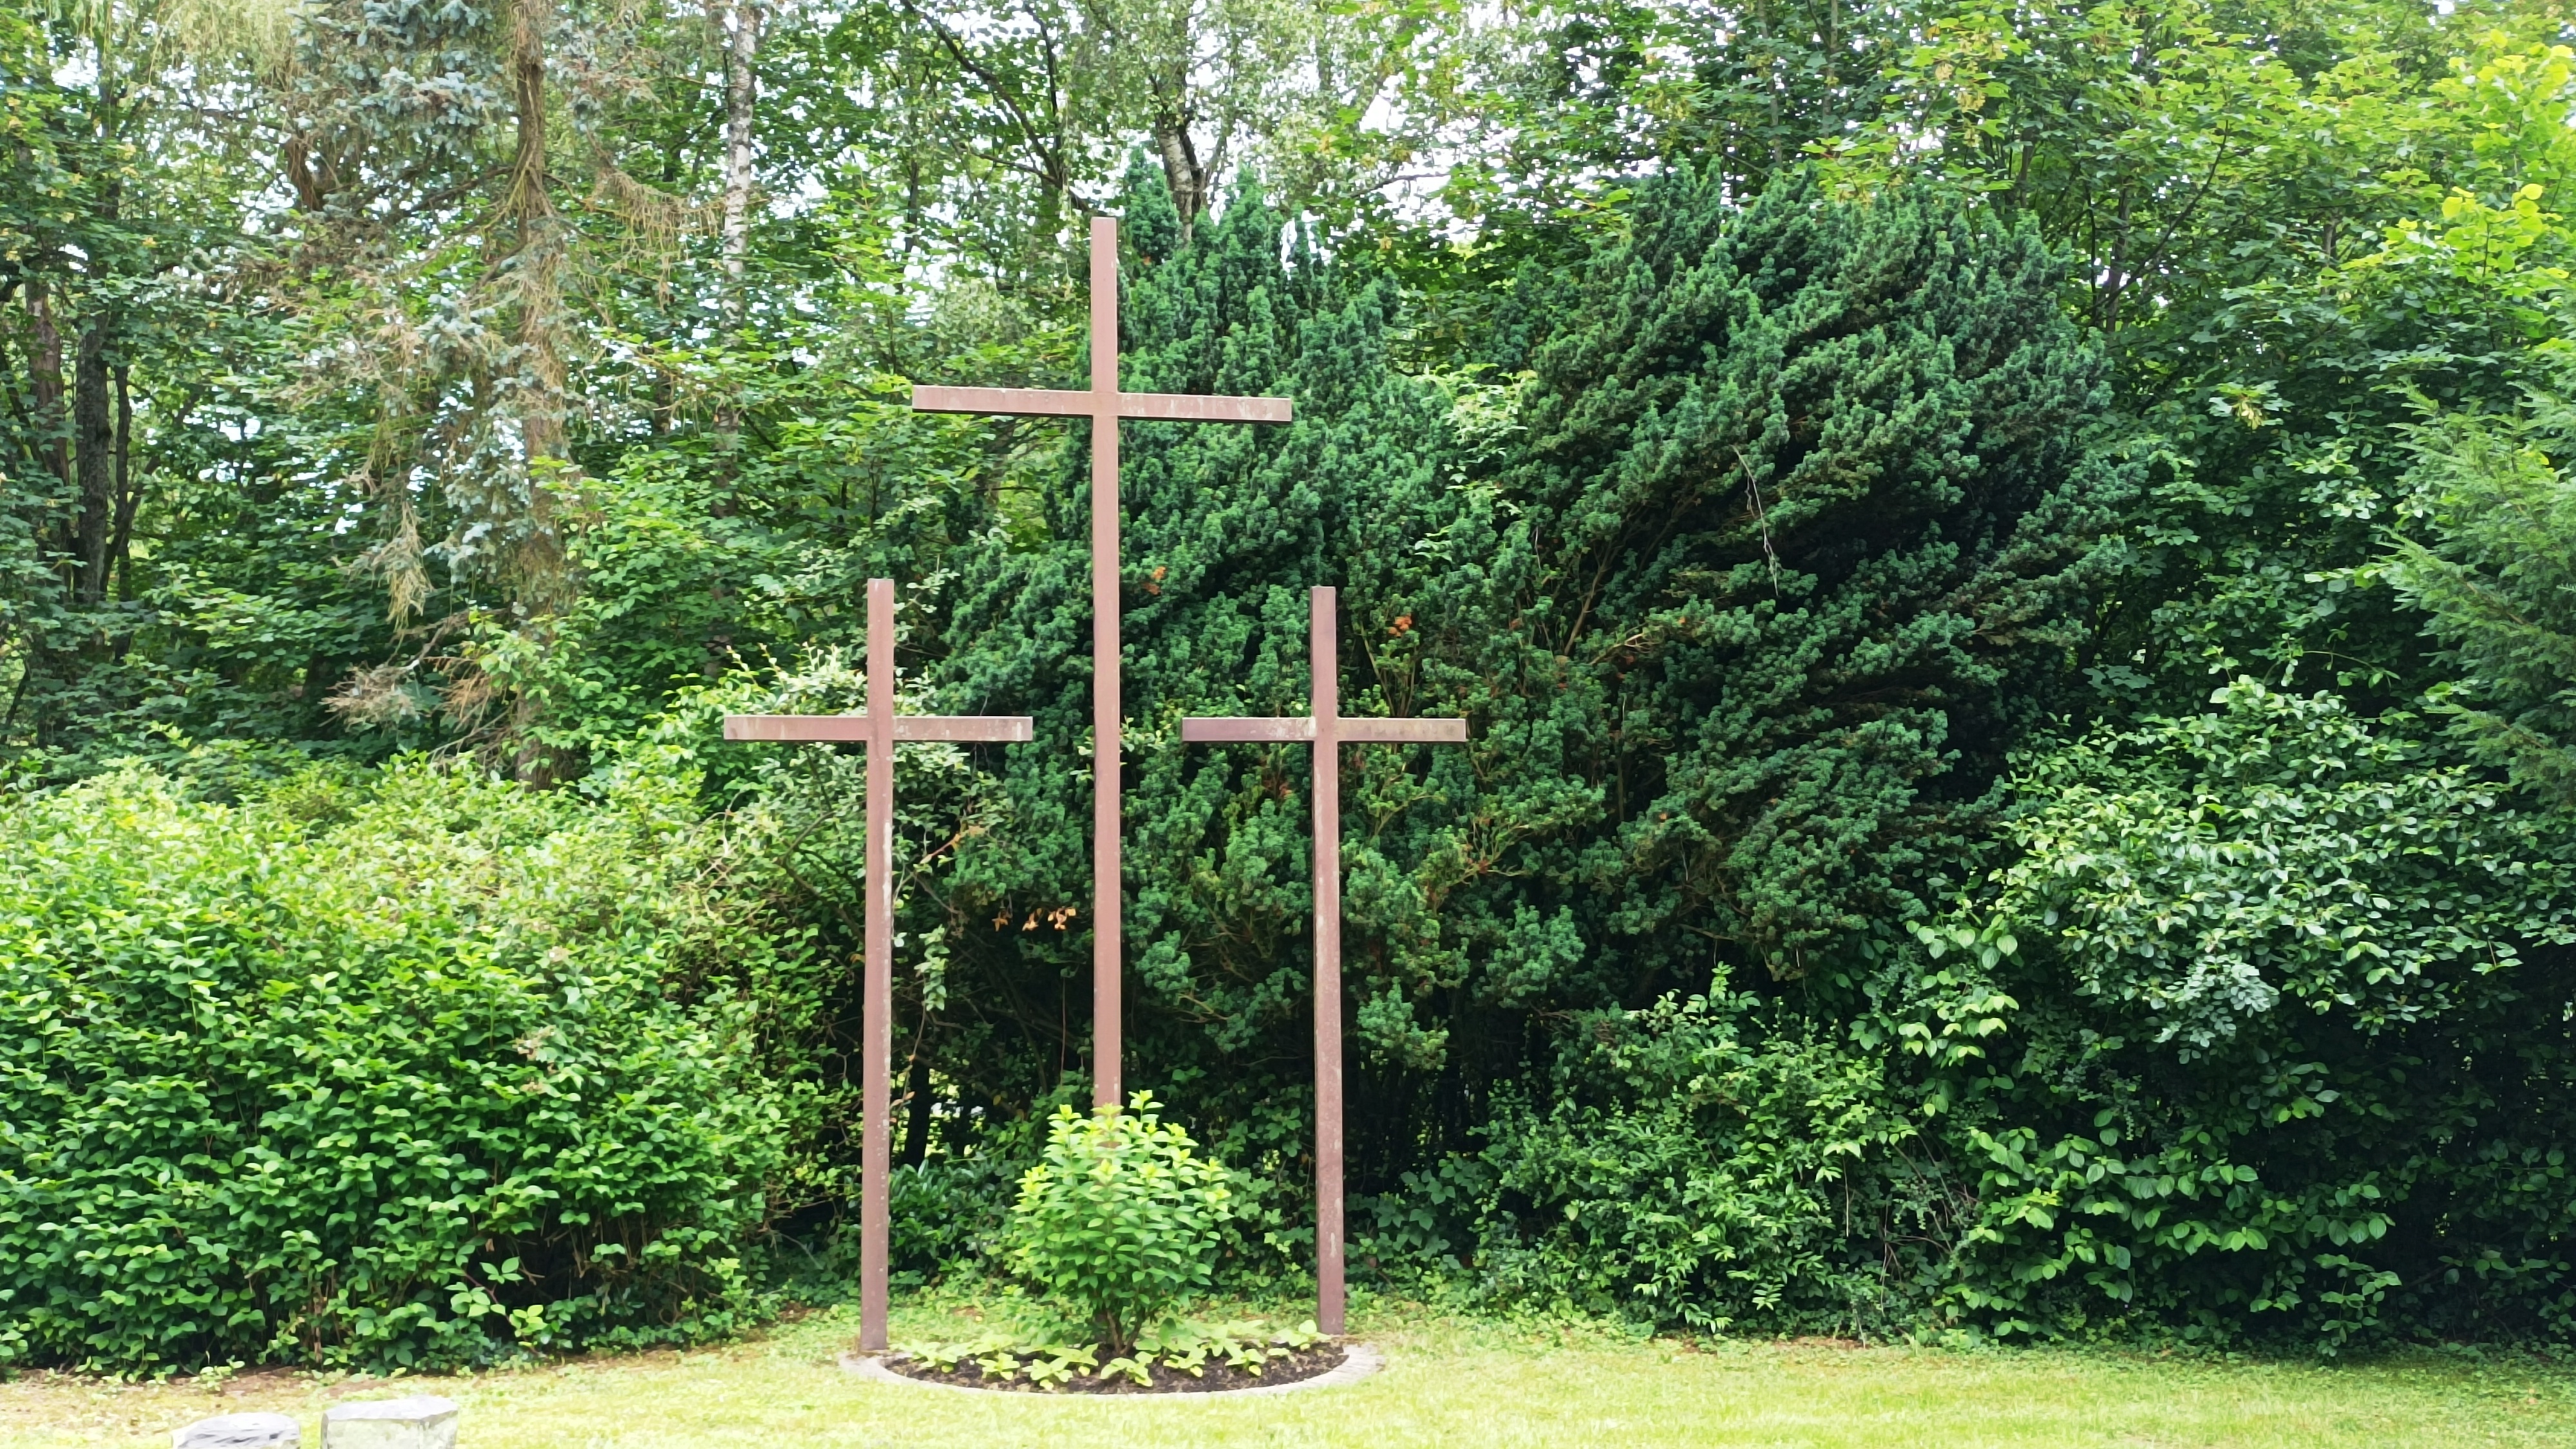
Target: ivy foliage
point(373, 1073)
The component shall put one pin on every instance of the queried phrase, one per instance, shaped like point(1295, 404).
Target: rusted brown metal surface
point(1353, 731)
point(855, 727)
point(1177, 407)
point(879, 728)
point(1108, 861)
point(1325, 700)
point(1328, 731)
point(1104, 404)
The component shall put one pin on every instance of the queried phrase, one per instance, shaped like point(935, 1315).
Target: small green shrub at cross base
point(1119, 1218)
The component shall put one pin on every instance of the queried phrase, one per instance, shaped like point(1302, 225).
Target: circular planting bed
point(1321, 1366)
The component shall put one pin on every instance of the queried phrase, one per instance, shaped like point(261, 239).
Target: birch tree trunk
point(1182, 171)
point(739, 21)
point(742, 95)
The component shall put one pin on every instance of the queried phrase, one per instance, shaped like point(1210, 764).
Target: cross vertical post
point(1328, 730)
point(1104, 404)
point(876, 1007)
point(1325, 703)
point(1108, 863)
point(878, 728)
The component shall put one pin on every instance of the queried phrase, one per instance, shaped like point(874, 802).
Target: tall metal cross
point(879, 729)
point(1104, 404)
point(1328, 730)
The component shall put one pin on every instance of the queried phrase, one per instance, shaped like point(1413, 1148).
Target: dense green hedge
point(2258, 1029)
point(371, 1074)
point(2265, 1028)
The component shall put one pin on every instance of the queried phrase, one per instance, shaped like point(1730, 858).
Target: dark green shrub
point(2491, 563)
point(948, 1216)
point(1700, 1165)
point(379, 1075)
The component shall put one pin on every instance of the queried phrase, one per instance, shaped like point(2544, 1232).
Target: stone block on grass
point(423, 1422)
point(239, 1431)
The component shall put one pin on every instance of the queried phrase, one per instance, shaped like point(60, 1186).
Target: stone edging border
point(1357, 1363)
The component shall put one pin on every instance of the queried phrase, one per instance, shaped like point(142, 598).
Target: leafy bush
point(948, 1215)
point(369, 1074)
point(2265, 1031)
point(1701, 1165)
point(1120, 1217)
point(2258, 1031)
point(1424, 1228)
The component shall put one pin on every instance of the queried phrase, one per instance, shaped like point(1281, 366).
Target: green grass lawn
point(1449, 1381)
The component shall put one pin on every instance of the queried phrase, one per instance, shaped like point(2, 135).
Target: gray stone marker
point(425, 1422)
point(240, 1431)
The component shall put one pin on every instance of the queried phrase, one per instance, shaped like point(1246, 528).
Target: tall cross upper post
point(1328, 731)
point(879, 729)
point(1104, 404)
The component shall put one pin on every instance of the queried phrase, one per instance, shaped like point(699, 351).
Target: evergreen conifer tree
point(1811, 513)
point(1225, 530)
point(2497, 582)
point(1745, 590)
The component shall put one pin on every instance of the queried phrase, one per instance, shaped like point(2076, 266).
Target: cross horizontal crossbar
point(1290, 727)
point(1302, 727)
point(1046, 403)
point(854, 727)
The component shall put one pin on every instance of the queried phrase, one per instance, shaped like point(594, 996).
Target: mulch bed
point(1215, 1377)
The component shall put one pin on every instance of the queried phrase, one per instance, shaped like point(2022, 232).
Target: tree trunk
point(742, 96)
point(539, 265)
point(311, 174)
point(539, 580)
point(741, 20)
point(1181, 168)
point(536, 572)
point(45, 380)
point(128, 494)
point(94, 457)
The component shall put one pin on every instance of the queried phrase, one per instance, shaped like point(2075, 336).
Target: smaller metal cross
point(1327, 730)
point(879, 729)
